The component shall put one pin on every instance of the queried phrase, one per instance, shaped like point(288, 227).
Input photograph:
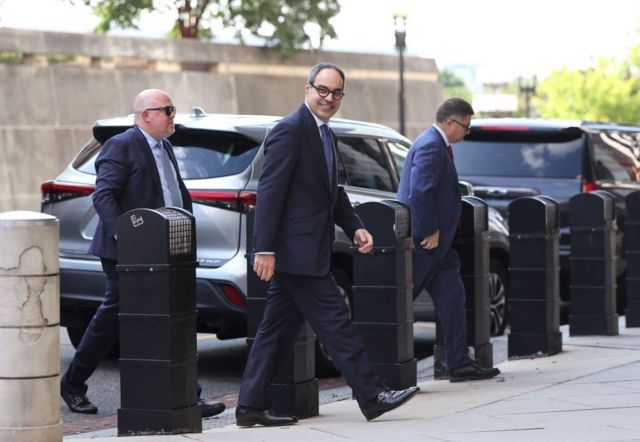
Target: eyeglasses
point(337, 94)
point(467, 127)
point(168, 110)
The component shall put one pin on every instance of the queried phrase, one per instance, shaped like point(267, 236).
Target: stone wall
point(53, 86)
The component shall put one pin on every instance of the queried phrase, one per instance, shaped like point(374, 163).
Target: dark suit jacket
point(429, 186)
point(296, 205)
point(127, 178)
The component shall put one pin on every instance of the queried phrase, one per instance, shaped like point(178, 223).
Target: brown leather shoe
point(387, 401)
point(472, 372)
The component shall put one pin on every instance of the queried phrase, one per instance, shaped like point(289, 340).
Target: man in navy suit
point(135, 169)
point(298, 203)
point(429, 186)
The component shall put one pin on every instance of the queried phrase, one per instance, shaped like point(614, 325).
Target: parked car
point(220, 158)
point(509, 158)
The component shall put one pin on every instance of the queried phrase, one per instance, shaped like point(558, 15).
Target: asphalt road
point(220, 366)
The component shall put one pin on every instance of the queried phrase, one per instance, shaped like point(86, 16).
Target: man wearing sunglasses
point(429, 186)
point(135, 169)
point(298, 203)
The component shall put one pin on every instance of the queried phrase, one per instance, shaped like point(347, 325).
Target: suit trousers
point(292, 299)
point(99, 338)
point(440, 276)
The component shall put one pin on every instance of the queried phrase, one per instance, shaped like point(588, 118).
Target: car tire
point(325, 366)
point(498, 297)
point(75, 336)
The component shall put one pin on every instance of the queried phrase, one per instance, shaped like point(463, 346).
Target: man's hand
point(431, 241)
point(364, 240)
point(264, 265)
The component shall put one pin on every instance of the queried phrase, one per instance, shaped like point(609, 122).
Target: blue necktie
point(327, 145)
point(169, 178)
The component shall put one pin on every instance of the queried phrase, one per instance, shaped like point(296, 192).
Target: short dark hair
point(313, 73)
point(453, 107)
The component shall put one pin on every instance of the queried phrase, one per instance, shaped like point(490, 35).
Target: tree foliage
point(608, 92)
point(453, 85)
point(285, 24)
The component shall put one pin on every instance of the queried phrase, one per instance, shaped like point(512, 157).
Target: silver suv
point(220, 158)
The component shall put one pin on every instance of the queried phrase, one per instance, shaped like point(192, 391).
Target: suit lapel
point(315, 145)
point(149, 159)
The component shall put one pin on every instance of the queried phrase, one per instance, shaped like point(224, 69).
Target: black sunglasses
point(168, 110)
point(337, 94)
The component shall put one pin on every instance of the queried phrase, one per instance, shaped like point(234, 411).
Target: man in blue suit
point(135, 169)
point(429, 186)
point(298, 203)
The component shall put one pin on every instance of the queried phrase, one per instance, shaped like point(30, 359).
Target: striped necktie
point(170, 179)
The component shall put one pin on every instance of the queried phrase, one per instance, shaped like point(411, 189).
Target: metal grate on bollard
point(158, 322)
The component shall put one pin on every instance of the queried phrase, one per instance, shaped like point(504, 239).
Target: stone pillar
point(29, 328)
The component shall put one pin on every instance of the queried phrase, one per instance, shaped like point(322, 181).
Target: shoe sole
point(246, 424)
point(472, 378)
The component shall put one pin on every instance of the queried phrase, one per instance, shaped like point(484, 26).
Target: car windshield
point(203, 154)
point(525, 158)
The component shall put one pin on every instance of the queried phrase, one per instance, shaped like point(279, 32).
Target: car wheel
point(498, 284)
point(75, 336)
point(325, 366)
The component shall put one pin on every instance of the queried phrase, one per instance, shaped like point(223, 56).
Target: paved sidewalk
point(589, 392)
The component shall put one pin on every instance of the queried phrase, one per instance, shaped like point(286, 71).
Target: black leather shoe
point(248, 417)
point(78, 403)
point(210, 408)
point(472, 372)
point(387, 401)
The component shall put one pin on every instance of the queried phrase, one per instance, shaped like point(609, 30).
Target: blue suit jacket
point(429, 186)
point(127, 178)
point(296, 204)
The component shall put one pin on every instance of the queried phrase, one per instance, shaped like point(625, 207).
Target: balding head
point(149, 110)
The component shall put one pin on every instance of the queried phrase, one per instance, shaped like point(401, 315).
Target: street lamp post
point(400, 22)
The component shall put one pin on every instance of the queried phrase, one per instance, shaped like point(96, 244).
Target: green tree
point(453, 85)
point(285, 24)
point(607, 91)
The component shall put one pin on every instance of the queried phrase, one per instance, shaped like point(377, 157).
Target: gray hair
point(453, 107)
point(313, 73)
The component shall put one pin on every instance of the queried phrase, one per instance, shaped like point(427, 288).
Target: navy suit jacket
point(297, 206)
point(127, 178)
point(429, 186)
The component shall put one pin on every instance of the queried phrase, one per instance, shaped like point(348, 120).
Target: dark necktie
point(450, 150)
point(169, 178)
point(327, 145)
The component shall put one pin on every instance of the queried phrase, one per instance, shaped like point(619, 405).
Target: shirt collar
point(444, 136)
point(152, 141)
point(319, 122)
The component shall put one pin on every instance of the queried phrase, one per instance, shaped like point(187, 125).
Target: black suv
point(508, 158)
point(220, 158)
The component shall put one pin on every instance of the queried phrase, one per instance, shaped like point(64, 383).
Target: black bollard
point(534, 235)
point(383, 293)
point(632, 255)
point(593, 264)
point(158, 354)
point(472, 246)
point(294, 390)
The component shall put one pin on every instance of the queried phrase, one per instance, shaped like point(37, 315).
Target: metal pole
point(401, 93)
point(400, 21)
